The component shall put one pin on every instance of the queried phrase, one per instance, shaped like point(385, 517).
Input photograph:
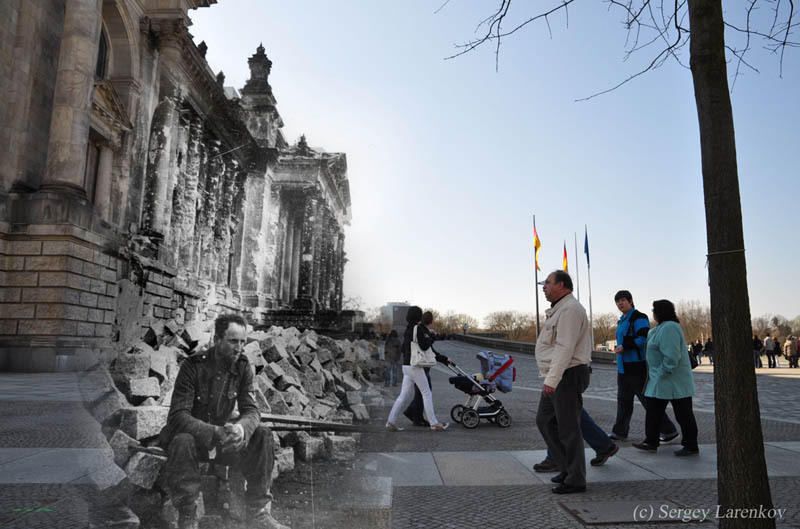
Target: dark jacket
point(204, 397)
point(425, 340)
point(391, 349)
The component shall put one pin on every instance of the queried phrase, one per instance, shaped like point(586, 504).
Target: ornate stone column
point(187, 209)
point(273, 238)
point(69, 126)
point(339, 272)
point(158, 180)
point(305, 293)
point(102, 191)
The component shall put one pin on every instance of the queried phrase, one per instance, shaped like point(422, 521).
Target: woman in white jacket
point(414, 375)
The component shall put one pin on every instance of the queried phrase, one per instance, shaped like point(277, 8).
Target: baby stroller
point(497, 373)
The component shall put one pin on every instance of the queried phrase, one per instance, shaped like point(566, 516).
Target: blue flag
point(586, 246)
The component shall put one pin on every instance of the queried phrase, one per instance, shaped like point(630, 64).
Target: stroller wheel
point(470, 418)
point(457, 412)
point(503, 419)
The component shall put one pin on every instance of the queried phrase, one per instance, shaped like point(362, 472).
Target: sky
point(448, 160)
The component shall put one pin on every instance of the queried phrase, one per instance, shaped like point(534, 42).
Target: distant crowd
point(772, 349)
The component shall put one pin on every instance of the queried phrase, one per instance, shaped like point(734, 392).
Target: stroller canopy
point(499, 369)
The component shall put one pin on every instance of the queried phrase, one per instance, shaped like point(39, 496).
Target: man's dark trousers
point(559, 420)
point(631, 384)
point(255, 462)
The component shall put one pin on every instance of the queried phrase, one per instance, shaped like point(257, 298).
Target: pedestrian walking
point(416, 331)
point(770, 348)
point(669, 381)
point(758, 347)
point(563, 354)
point(632, 329)
point(594, 436)
point(391, 357)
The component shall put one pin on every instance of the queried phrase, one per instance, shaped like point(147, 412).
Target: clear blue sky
point(448, 160)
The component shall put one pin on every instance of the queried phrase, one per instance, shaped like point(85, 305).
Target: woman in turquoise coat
point(669, 380)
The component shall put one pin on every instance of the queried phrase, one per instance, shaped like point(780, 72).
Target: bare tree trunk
point(741, 466)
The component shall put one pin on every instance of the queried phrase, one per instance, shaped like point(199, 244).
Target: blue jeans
point(392, 368)
point(593, 435)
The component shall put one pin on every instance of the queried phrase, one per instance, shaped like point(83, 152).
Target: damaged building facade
point(136, 187)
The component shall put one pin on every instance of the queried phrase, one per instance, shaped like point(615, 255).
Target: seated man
point(208, 386)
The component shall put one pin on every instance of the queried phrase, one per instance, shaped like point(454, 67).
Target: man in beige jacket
point(563, 354)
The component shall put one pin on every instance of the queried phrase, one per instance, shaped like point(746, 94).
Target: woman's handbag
point(420, 358)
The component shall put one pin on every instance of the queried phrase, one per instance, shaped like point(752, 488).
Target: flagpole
point(536, 280)
point(577, 266)
point(589, 274)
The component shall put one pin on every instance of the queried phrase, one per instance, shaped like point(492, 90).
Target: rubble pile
point(296, 374)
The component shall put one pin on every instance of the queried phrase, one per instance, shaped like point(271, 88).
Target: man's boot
point(187, 517)
point(261, 518)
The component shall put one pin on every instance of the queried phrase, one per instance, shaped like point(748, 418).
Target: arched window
point(102, 56)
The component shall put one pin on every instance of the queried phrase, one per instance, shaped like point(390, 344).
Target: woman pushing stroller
point(416, 330)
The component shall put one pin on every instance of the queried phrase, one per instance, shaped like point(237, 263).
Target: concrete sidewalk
point(514, 467)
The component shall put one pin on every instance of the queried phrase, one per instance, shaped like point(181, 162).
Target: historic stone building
point(136, 187)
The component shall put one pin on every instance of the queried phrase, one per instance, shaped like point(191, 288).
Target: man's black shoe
point(563, 488)
point(602, 458)
point(668, 437)
point(421, 423)
point(615, 437)
point(548, 465)
point(559, 478)
point(646, 447)
point(686, 452)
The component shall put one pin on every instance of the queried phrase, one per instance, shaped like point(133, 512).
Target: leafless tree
point(695, 320)
point(662, 27)
point(605, 327)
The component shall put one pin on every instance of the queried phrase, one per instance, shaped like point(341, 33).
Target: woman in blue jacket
point(669, 380)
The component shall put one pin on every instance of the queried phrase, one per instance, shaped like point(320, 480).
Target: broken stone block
point(291, 332)
point(289, 369)
point(315, 365)
point(144, 421)
point(321, 410)
point(340, 448)
point(292, 343)
point(353, 397)
point(285, 382)
point(295, 362)
point(194, 334)
point(121, 443)
point(253, 353)
point(106, 409)
point(324, 356)
point(334, 346)
point(264, 383)
point(139, 389)
point(274, 349)
point(309, 339)
point(261, 402)
point(150, 401)
point(131, 365)
point(278, 404)
point(284, 460)
point(274, 371)
point(313, 384)
point(350, 383)
point(342, 416)
point(297, 396)
point(306, 357)
point(309, 449)
point(360, 412)
point(143, 468)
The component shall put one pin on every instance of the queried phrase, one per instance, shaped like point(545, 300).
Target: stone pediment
point(108, 111)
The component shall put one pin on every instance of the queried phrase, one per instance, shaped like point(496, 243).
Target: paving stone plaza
point(50, 463)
